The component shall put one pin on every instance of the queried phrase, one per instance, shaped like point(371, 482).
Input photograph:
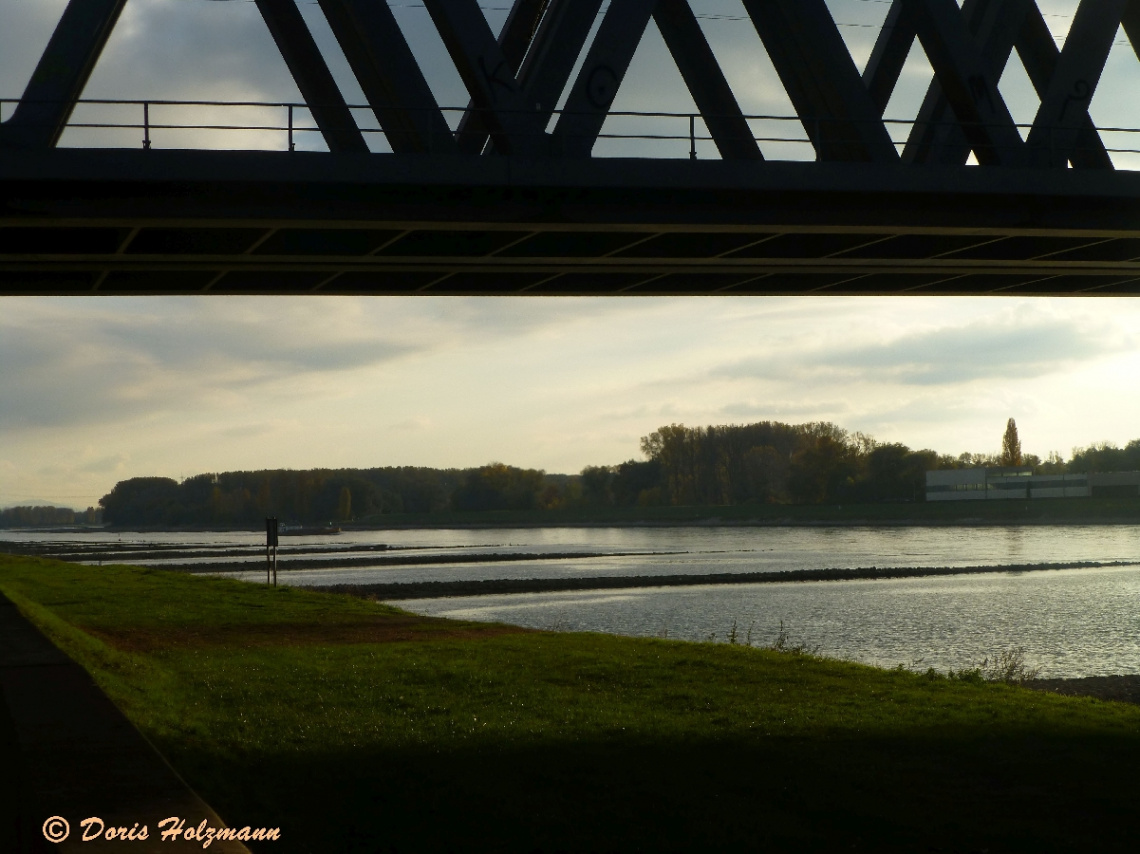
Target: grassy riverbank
point(355, 726)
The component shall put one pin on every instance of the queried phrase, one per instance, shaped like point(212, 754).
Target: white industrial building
point(976, 484)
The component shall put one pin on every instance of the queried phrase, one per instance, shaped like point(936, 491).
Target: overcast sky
point(96, 390)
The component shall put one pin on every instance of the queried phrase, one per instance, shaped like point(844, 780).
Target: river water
point(1069, 622)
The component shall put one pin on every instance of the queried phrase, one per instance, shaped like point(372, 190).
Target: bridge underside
point(188, 222)
point(514, 197)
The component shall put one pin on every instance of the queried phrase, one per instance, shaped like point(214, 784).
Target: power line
point(704, 16)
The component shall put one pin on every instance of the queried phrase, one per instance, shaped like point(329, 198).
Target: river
point(1069, 622)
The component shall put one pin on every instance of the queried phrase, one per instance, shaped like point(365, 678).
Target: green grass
point(356, 727)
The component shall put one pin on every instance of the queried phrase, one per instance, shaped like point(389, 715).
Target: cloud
point(248, 431)
point(984, 349)
point(784, 409)
point(103, 465)
point(412, 425)
point(80, 362)
point(27, 28)
point(474, 319)
point(980, 351)
point(203, 51)
point(255, 345)
point(88, 361)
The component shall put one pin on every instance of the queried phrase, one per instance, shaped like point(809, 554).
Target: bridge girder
point(252, 222)
point(511, 200)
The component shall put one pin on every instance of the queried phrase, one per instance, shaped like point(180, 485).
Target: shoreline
point(257, 563)
point(505, 586)
point(718, 522)
point(967, 514)
point(1123, 688)
point(698, 522)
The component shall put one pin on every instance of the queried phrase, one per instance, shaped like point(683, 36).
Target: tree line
point(48, 515)
point(332, 495)
point(820, 462)
point(306, 496)
point(763, 463)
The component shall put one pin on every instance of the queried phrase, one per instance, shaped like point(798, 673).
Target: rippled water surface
point(1072, 622)
point(1078, 622)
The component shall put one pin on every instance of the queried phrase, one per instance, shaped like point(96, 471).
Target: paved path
point(67, 751)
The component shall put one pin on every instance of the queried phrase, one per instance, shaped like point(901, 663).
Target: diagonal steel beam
point(839, 115)
point(312, 76)
point(389, 76)
point(1039, 55)
point(711, 92)
point(1064, 108)
point(602, 72)
point(968, 78)
point(520, 28)
point(515, 40)
point(885, 65)
point(549, 59)
point(559, 42)
point(61, 74)
point(1130, 21)
point(487, 74)
point(937, 136)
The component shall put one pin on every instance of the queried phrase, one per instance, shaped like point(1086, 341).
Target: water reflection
point(1071, 622)
point(1014, 542)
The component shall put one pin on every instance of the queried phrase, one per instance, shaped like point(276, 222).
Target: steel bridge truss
point(511, 200)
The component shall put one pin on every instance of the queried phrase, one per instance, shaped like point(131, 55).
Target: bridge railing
point(289, 126)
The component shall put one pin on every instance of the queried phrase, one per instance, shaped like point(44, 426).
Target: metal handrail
point(692, 134)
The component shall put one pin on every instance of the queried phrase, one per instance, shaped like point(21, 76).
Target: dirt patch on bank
point(1125, 689)
point(398, 629)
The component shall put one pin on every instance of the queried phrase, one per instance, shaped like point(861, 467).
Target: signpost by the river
point(271, 550)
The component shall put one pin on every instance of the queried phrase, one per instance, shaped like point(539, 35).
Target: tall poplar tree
point(1010, 445)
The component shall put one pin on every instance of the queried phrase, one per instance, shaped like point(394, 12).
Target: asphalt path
point(69, 755)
